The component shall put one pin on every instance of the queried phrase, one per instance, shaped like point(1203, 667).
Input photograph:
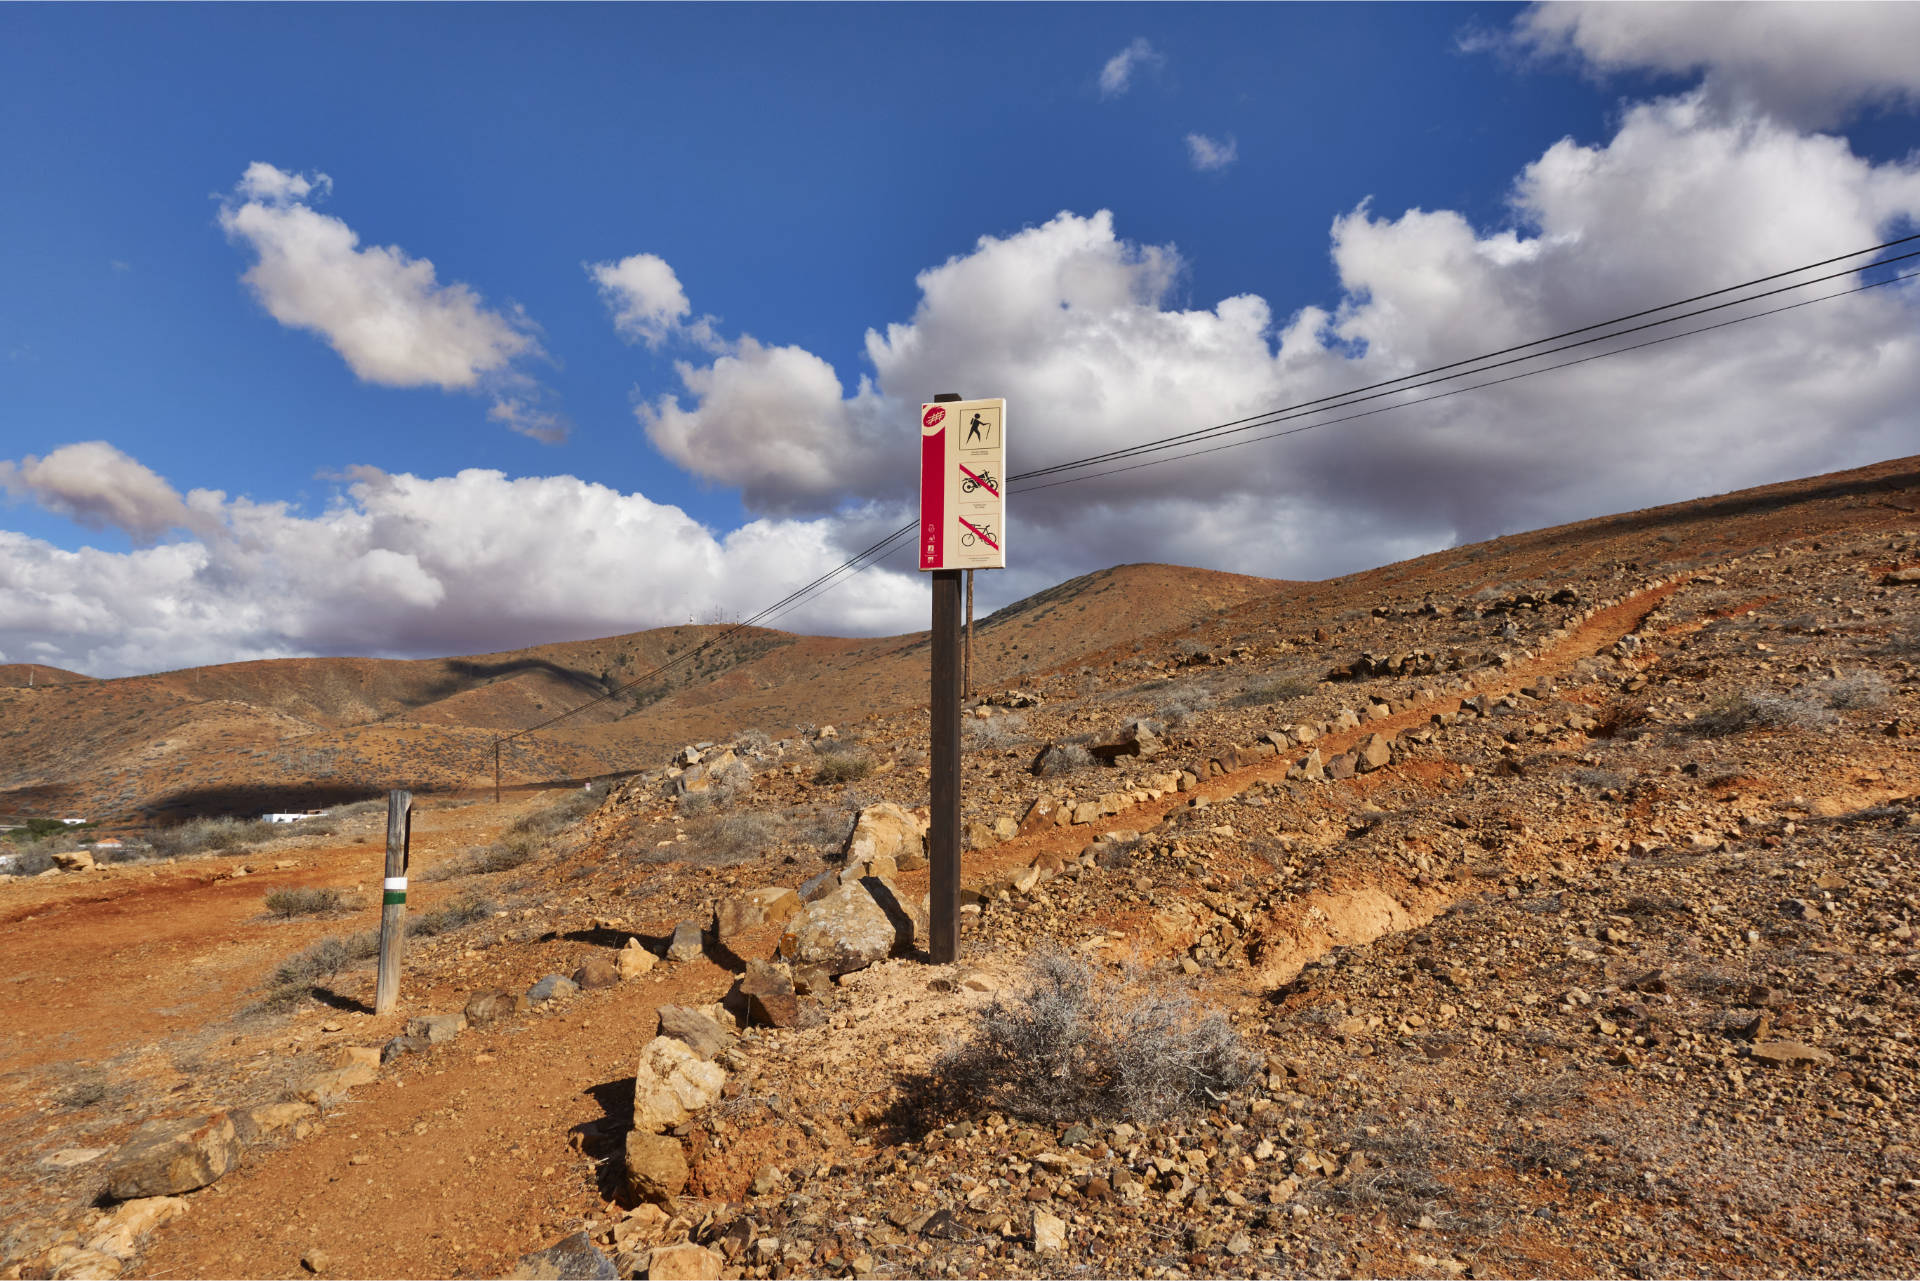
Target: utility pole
point(496, 769)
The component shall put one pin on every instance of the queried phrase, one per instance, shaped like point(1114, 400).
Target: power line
point(1342, 400)
point(1468, 367)
point(1459, 391)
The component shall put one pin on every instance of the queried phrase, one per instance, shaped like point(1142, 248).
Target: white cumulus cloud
point(410, 565)
point(1810, 63)
point(95, 484)
point(1208, 154)
point(385, 312)
point(1116, 74)
point(1086, 334)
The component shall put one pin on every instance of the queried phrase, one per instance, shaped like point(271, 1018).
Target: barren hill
point(242, 738)
point(1547, 907)
point(34, 674)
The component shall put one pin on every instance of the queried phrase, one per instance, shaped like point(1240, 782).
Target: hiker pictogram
point(974, 426)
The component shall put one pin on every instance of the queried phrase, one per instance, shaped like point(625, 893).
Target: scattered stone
point(1137, 739)
point(700, 1032)
point(767, 1178)
point(551, 988)
point(596, 972)
point(656, 1166)
point(166, 1157)
point(684, 1263)
point(401, 1045)
point(491, 1007)
point(884, 831)
point(1784, 1053)
point(328, 1088)
point(316, 1261)
point(1374, 752)
point(573, 1258)
point(121, 1235)
point(773, 905)
point(250, 1125)
point(634, 960)
point(1049, 1233)
point(771, 999)
point(73, 861)
point(436, 1029)
point(687, 944)
point(671, 1084)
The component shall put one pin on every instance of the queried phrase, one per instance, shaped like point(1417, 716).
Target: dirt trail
point(173, 947)
point(459, 1165)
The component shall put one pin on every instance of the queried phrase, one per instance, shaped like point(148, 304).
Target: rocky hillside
point(1540, 908)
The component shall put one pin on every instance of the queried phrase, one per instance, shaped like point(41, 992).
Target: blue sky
point(797, 168)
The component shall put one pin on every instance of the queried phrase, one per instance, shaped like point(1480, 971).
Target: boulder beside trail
point(848, 929)
point(634, 960)
point(885, 831)
point(688, 943)
point(491, 1007)
point(672, 1083)
point(168, 1157)
point(655, 1165)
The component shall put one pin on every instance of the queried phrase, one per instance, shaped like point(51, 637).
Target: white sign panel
point(963, 503)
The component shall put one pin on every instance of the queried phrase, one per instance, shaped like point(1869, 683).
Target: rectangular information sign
point(963, 503)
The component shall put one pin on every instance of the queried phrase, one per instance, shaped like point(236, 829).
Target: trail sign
point(963, 501)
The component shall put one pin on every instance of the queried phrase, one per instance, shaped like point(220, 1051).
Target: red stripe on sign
point(933, 496)
point(985, 538)
point(976, 480)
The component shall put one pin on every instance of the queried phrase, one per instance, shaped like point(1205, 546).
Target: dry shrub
point(841, 766)
point(1737, 713)
point(1074, 1044)
point(1279, 689)
point(996, 732)
point(1855, 692)
point(726, 838)
point(290, 903)
point(1617, 718)
point(1063, 759)
point(453, 916)
point(212, 835)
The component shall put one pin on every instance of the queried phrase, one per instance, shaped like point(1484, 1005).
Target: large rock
point(887, 831)
point(846, 930)
point(165, 1158)
point(656, 1166)
point(672, 1083)
point(73, 861)
point(1309, 768)
point(702, 777)
point(492, 1007)
point(573, 1258)
point(683, 1263)
point(773, 905)
point(687, 943)
point(705, 1036)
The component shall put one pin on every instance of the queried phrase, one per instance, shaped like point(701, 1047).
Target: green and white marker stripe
point(395, 888)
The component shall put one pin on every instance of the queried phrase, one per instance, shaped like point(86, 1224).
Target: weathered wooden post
point(393, 900)
point(496, 769)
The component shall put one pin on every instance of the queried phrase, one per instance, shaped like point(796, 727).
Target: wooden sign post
point(962, 528)
point(393, 900)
